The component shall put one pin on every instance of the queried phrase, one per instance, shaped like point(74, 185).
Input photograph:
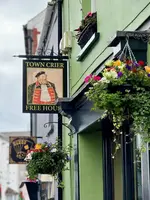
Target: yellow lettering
point(38, 107)
point(51, 108)
point(33, 107)
point(54, 108)
point(52, 64)
point(42, 64)
point(62, 65)
point(47, 64)
point(37, 64)
point(27, 107)
point(27, 63)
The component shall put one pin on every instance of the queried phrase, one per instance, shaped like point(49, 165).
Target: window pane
point(118, 188)
point(138, 179)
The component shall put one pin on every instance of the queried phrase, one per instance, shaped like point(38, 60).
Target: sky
point(13, 15)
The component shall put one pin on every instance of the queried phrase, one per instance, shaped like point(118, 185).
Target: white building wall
point(11, 175)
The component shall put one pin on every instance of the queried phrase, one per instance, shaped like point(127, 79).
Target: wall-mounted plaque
point(18, 147)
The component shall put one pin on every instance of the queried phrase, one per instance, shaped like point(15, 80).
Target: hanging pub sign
point(44, 81)
point(18, 147)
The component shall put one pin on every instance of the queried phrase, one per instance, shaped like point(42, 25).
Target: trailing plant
point(123, 92)
point(90, 18)
point(47, 158)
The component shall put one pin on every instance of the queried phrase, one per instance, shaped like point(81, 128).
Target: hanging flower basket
point(87, 28)
point(123, 92)
point(47, 159)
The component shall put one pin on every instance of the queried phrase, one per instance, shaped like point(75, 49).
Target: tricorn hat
point(39, 73)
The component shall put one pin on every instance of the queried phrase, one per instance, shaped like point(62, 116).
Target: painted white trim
point(116, 49)
point(87, 45)
point(145, 26)
point(93, 6)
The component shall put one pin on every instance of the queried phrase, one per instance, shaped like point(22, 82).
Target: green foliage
point(48, 159)
point(123, 99)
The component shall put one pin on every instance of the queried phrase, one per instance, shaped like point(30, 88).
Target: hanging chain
point(127, 50)
point(123, 52)
point(131, 53)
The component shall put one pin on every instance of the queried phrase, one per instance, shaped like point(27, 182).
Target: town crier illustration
point(42, 91)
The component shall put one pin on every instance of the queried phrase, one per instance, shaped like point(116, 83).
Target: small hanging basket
point(48, 159)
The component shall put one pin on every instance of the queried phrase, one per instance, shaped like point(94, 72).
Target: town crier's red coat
point(34, 93)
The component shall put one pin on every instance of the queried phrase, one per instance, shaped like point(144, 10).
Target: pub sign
point(44, 81)
point(18, 148)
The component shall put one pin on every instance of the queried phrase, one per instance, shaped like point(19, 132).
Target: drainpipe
point(59, 23)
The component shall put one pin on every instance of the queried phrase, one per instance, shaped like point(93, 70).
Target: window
point(87, 34)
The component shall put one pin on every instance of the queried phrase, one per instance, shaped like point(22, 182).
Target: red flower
point(128, 62)
point(97, 78)
point(88, 15)
point(134, 70)
point(141, 63)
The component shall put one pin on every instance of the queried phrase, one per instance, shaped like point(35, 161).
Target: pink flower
point(77, 29)
point(88, 15)
point(31, 180)
point(87, 79)
point(97, 78)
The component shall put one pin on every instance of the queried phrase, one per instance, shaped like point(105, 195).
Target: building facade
point(93, 174)
point(45, 126)
point(46, 24)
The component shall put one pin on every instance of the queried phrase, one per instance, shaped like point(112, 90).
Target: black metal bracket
point(42, 57)
point(67, 125)
point(137, 35)
point(61, 102)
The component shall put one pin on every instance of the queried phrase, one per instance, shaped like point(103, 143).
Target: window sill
point(86, 49)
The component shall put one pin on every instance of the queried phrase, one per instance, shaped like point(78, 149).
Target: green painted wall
point(86, 7)
point(90, 160)
point(112, 15)
point(68, 175)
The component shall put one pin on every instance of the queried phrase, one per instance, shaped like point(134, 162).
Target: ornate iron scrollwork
point(45, 52)
point(143, 35)
point(67, 125)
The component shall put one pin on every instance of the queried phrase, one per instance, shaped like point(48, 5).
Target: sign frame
point(48, 64)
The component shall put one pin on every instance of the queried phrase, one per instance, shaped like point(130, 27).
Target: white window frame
point(93, 6)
